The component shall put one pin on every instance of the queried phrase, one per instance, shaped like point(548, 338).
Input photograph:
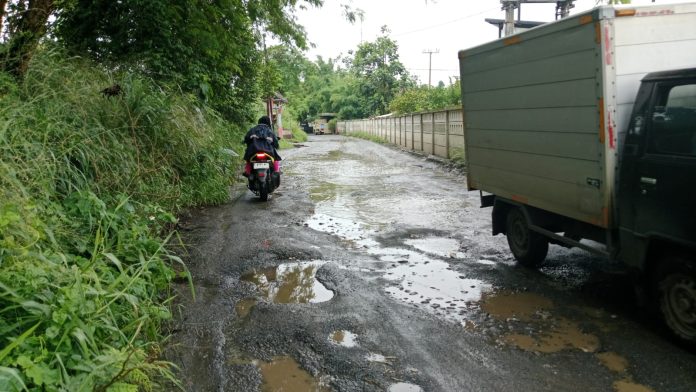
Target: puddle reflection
point(290, 283)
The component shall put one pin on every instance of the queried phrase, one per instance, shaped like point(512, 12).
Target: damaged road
point(371, 269)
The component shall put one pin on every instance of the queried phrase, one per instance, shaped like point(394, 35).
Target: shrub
point(89, 187)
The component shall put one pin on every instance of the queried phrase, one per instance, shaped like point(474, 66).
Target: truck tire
point(676, 295)
point(528, 247)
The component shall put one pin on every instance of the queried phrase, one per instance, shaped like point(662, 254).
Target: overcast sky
point(417, 25)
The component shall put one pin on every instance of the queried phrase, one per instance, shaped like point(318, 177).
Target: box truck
point(582, 133)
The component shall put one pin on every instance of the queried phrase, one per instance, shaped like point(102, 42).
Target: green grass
point(458, 158)
point(298, 136)
point(89, 189)
point(367, 136)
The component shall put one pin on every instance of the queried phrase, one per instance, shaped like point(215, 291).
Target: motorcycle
point(263, 180)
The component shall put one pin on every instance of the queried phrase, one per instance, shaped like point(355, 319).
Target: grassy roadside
point(367, 136)
point(89, 189)
point(298, 136)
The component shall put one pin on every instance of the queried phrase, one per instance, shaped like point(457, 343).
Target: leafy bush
point(88, 189)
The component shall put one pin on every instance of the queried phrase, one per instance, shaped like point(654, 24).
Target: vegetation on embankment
point(89, 189)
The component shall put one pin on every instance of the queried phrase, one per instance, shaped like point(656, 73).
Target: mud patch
point(520, 306)
point(244, 306)
point(613, 361)
point(404, 387)
point(565, 335)
point(290, 283)
point(543, 332)
point(284, 374)
point(344, 338)
point(630, 386)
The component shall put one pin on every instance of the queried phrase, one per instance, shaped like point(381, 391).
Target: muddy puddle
point(630, 386)
point(613, 361)
point(244, 306)
point(290, 283)
point(284, 374)
point(344, 338)
point(404, 387)
point(543, 332)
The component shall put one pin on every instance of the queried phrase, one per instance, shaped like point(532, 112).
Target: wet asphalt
point(373, 269)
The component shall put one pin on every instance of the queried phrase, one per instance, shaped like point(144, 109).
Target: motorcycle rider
point(261, 138)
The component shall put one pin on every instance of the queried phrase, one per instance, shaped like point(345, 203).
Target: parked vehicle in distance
point(582, 133)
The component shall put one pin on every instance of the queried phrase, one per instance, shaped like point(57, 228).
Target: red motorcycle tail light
point(260, 156)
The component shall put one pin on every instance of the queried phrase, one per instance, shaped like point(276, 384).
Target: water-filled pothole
point(443, 247)
point(374, 357)
point(290, 283)
point(404, 387)
point(431, 283)
point(344, 338)
point(550, 334)
point(284, 374)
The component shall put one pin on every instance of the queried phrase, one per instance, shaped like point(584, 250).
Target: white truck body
point(545, 110)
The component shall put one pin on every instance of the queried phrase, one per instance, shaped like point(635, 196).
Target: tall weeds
point(89, 188)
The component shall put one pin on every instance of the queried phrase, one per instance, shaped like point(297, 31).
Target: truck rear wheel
point(528, 247)
point(676, 289)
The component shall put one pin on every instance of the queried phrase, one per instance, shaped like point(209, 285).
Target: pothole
point(244, 306)
point(285, 374)
point(613, 361)
point(404, 387)
point(345, 228)
point(432, 284)
point(290, 283)
point(344, 338)
point(630, 386)
point(443, 247)
point(522, 306)
point(378, 358)
point(542, 332)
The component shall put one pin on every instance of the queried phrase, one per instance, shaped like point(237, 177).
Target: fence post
point(421, 132)
point(447, 126)
point(432, 133)
point(413, 142)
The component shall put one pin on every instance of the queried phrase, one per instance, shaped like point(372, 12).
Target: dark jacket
point(260, 143)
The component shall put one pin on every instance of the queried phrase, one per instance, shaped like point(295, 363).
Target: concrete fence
point(438, 133)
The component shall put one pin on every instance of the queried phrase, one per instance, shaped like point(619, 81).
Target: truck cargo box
point(545, 110)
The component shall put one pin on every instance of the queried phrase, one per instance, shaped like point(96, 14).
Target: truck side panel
point(532, 119)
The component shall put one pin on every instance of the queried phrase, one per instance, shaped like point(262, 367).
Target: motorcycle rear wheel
point(263, 190)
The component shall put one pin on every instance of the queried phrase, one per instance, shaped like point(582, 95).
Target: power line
point(445, 23)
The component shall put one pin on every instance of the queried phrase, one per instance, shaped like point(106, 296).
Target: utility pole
point(430, 63)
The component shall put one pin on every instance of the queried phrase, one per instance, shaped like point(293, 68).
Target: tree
point(27, 23)
point(379, 72)
point(208, 48)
